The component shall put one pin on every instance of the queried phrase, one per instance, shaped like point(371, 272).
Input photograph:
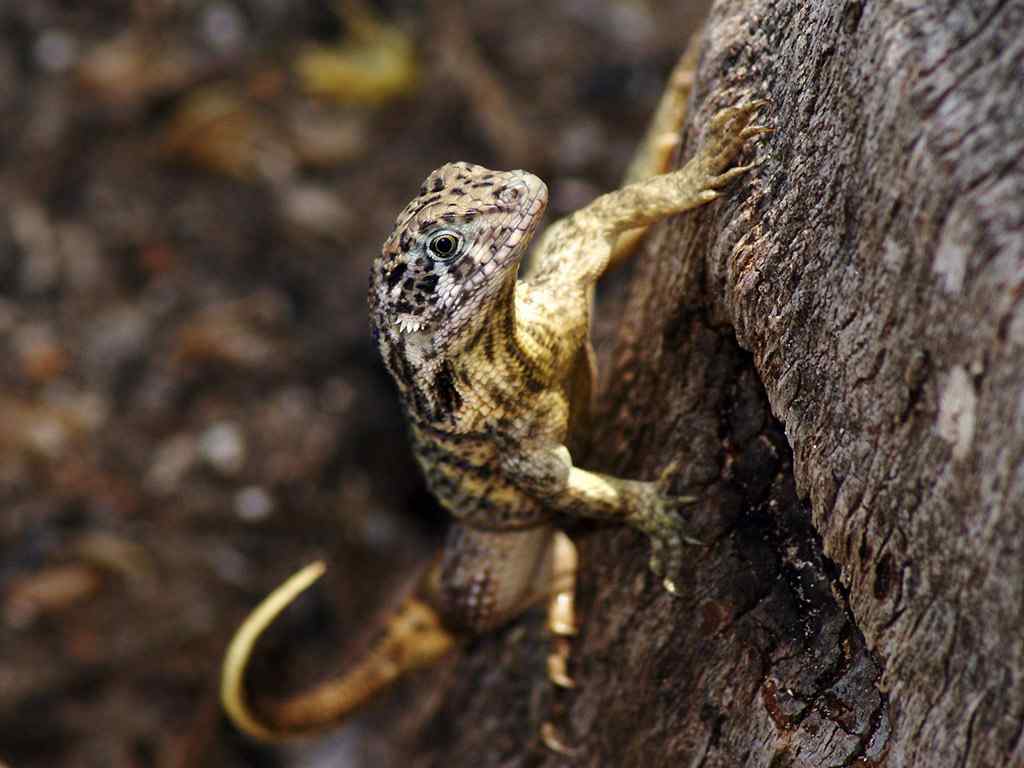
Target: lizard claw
point(728, 132)
point(666, 530)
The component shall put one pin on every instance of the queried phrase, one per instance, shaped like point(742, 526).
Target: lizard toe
point(668, 534)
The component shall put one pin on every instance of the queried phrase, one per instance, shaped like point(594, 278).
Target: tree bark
point(835, 353)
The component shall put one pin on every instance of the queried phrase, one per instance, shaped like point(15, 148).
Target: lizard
point(494, 373)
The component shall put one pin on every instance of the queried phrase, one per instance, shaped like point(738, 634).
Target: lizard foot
point(728, 131)
point(668, 533)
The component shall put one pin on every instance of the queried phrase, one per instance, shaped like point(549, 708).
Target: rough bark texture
point(834, 351)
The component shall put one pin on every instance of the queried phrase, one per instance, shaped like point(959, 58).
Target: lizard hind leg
point(654, 155)
point(412, 637)
point(562, 609)
point(490, 577)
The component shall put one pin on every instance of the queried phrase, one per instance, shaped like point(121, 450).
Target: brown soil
point(190, 407)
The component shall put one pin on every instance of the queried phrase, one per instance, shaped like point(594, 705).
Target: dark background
point(190, 407)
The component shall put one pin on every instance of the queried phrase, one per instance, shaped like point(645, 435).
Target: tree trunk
point(835, 354)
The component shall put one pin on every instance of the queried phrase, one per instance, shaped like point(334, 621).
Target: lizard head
point(455, 250)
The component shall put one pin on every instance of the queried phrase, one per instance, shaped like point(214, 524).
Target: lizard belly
point(464, 474)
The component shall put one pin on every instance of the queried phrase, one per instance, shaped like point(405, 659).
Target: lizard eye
point(444, 245)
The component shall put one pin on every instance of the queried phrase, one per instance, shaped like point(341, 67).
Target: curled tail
point(413, 637)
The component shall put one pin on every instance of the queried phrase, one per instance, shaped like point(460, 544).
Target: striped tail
point(413, 637)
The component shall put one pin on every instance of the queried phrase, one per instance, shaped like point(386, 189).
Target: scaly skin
point(492, 372)
point(485, 363)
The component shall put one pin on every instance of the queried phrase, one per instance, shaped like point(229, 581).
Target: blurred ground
point(190, 196)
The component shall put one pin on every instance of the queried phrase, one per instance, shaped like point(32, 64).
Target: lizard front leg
point(644, 505)
point(693, 185)
point(654, 155)
point(577, 250)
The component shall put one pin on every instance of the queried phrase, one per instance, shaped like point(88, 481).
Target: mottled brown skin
point(487, 365)
point(492, 372)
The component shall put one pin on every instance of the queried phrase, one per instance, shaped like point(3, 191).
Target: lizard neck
point(475, 379)
point(494, 371)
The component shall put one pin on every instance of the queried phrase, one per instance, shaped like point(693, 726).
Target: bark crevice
point(832, 352)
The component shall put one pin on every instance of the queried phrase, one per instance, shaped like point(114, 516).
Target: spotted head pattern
point(454, 250)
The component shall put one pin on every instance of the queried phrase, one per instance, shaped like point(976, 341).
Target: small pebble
point(49, 591)
point(253, 504)
point(55, 50)
point(85, 268)
point(41, 355)
point(117, 336)
point(229, 564)
point(34, 234)
point(223, 27)
point(222, 446)
point(172, 460)
point(316, 210)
